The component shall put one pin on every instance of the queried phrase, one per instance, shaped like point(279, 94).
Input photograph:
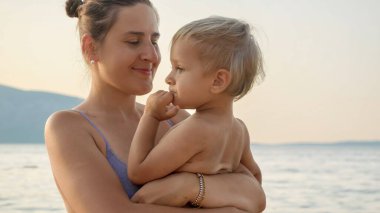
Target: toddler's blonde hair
point(226, 43)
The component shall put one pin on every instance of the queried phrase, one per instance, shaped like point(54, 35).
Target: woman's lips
point(144, 71)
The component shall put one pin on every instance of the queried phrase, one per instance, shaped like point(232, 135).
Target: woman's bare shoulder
point(66, 126)
point(66, 119)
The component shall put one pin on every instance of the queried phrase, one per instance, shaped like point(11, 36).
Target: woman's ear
point(88, 48)
point(222, 79)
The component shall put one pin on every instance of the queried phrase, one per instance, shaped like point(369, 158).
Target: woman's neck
point(111, 101)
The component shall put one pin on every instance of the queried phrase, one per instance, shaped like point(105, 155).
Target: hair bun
point(72, 7)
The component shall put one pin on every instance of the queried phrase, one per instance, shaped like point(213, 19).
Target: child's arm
point(146, 163)
point(248, 161)
point(247, 158)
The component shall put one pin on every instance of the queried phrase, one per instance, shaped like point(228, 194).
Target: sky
point(321, 61)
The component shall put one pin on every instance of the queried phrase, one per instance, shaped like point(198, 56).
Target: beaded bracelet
point(202, 191)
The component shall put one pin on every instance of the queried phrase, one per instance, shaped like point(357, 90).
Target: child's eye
point(179, 69)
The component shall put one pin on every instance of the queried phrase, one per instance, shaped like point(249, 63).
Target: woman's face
point(129, 55)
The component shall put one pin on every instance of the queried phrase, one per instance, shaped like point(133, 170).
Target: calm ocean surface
point(297, 178)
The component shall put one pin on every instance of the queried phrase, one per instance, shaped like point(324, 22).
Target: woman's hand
point(174, 190)
point(240, 190)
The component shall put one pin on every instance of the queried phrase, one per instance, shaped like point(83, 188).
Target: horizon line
point(339, 142)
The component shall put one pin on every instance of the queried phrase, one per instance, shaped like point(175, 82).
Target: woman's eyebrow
point(155, 34)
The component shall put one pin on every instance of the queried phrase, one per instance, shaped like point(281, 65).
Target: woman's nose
point(151, 53)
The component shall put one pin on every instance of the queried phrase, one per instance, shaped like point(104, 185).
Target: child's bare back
point(222, 141)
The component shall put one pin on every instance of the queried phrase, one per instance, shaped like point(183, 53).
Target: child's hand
point(159, 105)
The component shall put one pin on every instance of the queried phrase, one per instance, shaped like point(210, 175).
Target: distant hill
point(23, 113)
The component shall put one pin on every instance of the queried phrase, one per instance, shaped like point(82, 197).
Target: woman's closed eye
point(137, 42)
point(133, 42)
point(155, 42)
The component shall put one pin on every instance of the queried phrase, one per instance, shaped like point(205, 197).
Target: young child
point(215, 61)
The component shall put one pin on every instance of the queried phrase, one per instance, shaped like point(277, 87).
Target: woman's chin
point(140, 93)
point(144, 91)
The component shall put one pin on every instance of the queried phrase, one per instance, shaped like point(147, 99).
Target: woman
point(87, 145)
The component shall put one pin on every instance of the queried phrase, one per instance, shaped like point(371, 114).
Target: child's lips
point(172, 91)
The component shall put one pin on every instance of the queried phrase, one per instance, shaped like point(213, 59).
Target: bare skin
point(197, 144)
point(88, 184)
point(124, 67)
point(211, 141)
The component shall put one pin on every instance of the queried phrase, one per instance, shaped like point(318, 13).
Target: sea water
point(296, 178)
point(321, 178)
point(26, 181)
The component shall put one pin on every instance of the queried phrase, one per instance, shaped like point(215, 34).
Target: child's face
point(188, 80)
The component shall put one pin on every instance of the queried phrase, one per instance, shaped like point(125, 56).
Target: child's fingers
point(160, 97)
point(167, 97)
point(171, 110)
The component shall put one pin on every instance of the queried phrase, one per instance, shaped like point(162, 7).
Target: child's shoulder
point(243, 128)
point(192, 128)
point(192, 123)
point(240, 123)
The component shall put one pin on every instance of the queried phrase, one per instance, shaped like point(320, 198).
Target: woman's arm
point(82, 173)
point(239, 189)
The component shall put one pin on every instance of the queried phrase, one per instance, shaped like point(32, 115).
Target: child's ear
point(88, 48)
point(222, 79)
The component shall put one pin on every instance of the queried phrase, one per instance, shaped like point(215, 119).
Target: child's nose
point(170, 78)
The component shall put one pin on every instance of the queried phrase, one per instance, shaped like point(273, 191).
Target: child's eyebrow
point(173, 60)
